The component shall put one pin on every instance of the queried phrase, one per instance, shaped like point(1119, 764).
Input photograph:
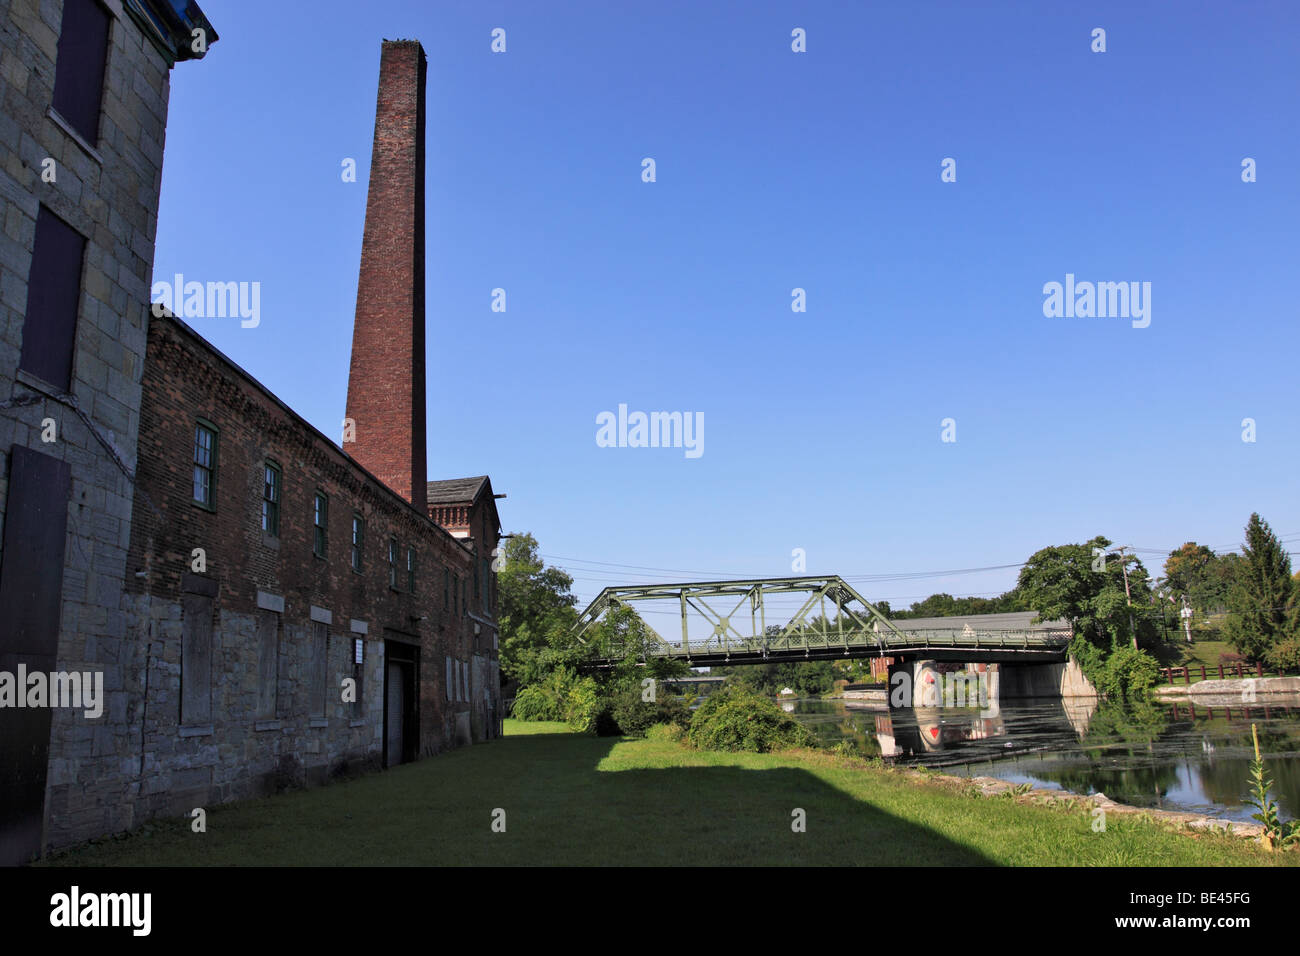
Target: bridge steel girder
point(852, 634)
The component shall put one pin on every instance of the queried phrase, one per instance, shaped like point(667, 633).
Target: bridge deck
point(1002, 646)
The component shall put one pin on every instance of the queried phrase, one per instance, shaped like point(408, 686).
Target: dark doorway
point(31, 594)
point(401, 705)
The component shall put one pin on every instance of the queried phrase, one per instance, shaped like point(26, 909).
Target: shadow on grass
point(557, 808)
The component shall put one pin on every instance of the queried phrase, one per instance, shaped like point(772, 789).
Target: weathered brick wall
point(112, 199)
point(172, 767)
point(386, 386)
point(487, 686)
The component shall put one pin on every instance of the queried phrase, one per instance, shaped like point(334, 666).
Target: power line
point(639, 570)
point(866, 577)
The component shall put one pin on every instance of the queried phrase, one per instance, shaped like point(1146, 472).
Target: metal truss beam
point(856, 628)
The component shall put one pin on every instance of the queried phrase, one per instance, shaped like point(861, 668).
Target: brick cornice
point(280, 425)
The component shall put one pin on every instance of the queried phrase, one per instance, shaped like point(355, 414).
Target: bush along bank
point(624, 702)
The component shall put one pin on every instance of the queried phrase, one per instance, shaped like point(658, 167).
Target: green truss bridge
point(832, 622)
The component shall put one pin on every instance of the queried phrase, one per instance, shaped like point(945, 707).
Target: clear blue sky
point(779, 170)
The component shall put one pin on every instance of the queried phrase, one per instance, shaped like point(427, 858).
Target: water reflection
point(1171, 756)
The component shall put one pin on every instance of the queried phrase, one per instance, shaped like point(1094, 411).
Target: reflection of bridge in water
point(938, 736)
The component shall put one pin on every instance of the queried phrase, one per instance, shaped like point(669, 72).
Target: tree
point(1205, 577)
point(1085, 585)
point(945, 605)
point(1186, 566)
point(537, 612)
point(1262, 603)
point(805, 678)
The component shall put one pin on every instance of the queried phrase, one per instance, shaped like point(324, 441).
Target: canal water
point(1169, 756)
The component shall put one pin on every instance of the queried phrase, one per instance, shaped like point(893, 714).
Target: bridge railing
point(1031, 639)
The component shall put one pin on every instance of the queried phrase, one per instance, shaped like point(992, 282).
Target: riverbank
point(1240, 690)
point(575, 800)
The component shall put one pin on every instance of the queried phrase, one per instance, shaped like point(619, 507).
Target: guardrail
point(885, 643)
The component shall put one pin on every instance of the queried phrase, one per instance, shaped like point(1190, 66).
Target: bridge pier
point(1065, 679)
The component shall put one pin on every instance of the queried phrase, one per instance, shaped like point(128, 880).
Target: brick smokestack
point(386, 381)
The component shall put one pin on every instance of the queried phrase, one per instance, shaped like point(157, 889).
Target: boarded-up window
point(53, 294)
point(196, 660)
point(79, 67)
point(268, 663)
point(319, 667)
point(31, 583)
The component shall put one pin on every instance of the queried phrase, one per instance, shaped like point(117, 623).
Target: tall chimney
point(386, 380)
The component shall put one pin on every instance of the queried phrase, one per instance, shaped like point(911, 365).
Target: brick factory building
point(268, 609)
point(312, 572)
point(270, 566)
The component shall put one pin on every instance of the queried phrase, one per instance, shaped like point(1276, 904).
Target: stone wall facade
point(101, 183)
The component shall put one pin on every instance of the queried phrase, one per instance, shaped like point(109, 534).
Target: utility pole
point(1127, 597)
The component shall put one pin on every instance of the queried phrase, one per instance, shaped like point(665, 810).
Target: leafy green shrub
point(583, 706)
point(634, 716)
point(560, 695)
point(670, 732)
point(605, 724)
point(535, 703)
point(1131, 673)
point(738, 719)
point(1285, 655)
point(1122, 674)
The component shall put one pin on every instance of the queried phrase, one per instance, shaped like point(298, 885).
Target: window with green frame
point(358, 540)
point(410, 570)
point(320, 521)
point(392, 563)
point(271, 499)
point(205, 465)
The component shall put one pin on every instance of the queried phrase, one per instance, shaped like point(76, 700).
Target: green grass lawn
point(1203, 652)
point(572, 799)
